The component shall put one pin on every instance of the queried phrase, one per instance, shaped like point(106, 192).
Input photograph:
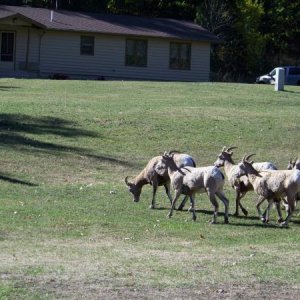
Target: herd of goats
point(179, 170)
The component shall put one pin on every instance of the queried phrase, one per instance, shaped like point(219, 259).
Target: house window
point(180, 56)
point(7, 46)
point(136, 53)
point(87, 45)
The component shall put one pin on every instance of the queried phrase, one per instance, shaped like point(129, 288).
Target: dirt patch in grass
point(222, 291)
point(107, 288)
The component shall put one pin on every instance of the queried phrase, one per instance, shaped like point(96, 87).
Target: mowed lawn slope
point(68, 226)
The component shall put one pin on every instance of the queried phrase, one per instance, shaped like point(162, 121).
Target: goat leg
point(291, 203)
point(244, 210)
point(267, 211)
point(170, 214)
point(167, 189)
point(215, 204)
point(182, 204)
point(223, 198)
point(278, 208)
point(153, 195)
point(237, 203)
point(193, 207)
point(260, 200)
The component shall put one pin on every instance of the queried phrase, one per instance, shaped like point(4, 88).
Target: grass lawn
point(68, 226)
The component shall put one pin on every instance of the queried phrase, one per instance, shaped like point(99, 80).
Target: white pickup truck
point(292, 76)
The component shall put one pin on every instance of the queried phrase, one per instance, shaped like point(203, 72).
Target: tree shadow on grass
point(259, 224)
point(210, 212)
point(292, 92)
point(295, 221)
point(16, 181)
point(14, 127)
point(7, 88)
point(19, 123)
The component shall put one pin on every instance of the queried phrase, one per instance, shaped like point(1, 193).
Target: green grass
point(65, 145)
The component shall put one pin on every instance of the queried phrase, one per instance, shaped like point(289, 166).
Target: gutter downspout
point(27, 49)
point(15, 51)
point(40, 47)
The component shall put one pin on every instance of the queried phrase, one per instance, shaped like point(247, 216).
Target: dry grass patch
point(113, 268)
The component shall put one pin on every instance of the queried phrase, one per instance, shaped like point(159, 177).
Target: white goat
point(240, 185)
point(294, 165)
point(272, 185)
point(189, 181)
point(156, 174)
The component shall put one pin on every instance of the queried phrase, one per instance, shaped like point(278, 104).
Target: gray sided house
point(37, 42)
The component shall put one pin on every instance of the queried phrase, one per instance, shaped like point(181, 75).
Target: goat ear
point(224, 149)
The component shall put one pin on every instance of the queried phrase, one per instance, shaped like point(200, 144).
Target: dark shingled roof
point(109, 24)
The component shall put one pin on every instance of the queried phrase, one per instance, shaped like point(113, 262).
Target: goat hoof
point(284, 223)
point(280, 220)
point(212, 222)
point(194, 218)
point(245, 212)
point(151, 206)
point(236, 214)
point(169, 216)
point(180, 208)
point(226, 221)
point(264, 220)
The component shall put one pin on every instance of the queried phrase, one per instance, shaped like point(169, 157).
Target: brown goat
point(156, 174)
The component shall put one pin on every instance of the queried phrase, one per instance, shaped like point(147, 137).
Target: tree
point(218, 17)
point(251, 40)
point(214, 15)
point(281, 27)
point(83, 5)
point(154, 8)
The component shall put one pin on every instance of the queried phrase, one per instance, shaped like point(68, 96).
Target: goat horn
point(174, 151)
point(127, 182)
point(247, 158)
point(230, 148)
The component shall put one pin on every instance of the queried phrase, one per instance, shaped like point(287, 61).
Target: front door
point(7, 55)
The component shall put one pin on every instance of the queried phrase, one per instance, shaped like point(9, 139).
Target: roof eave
point(29, 20)
point(171, 37)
